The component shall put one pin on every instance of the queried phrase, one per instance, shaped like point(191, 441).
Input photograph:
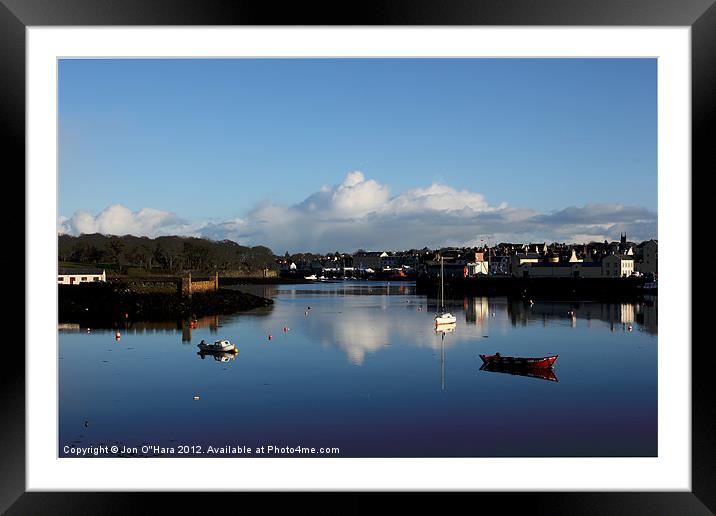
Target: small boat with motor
point(311, 277)
point(219, 346)
point(519, 362)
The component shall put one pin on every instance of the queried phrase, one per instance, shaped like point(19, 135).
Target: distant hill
point(169, 254)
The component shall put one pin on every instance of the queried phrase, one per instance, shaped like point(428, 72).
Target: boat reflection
point(442, 330)
point(545, 373)
point(218, 355)
point(446, 328)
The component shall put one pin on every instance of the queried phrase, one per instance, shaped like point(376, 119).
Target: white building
point(77, 276)
point(617, 266)
point(479, 266)
point(475, 268)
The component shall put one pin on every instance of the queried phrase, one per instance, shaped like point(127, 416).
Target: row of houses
point(594, 260)
point(360, 261)
point(606, 260)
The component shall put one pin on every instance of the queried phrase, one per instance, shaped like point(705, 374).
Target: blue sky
point(207, 146)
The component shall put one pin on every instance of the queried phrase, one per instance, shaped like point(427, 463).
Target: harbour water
point(363, 373)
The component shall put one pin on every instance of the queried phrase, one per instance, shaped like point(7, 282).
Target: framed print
point(302, 256)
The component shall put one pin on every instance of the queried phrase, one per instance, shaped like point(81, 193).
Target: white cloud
point(119, 220)
point(440, 198)
point(361, 213)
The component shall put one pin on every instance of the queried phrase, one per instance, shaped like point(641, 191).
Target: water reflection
point(545, 373)
point(379, 315)
point(477, 310)
point(442, 331)
point(371, 323)
point(209, 321)
point(480, 310)
point(359, 370)
point(217, 355)
point(371, 326)
point(357, 333)
point(618, 316)
point(182, 328)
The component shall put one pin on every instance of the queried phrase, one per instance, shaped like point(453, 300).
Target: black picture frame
point(699, 15)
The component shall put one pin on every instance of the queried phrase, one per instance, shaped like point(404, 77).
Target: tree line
point(169, 254)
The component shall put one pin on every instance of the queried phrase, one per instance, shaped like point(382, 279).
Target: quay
point(542, 288)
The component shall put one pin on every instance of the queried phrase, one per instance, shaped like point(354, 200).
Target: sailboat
point(443, 316)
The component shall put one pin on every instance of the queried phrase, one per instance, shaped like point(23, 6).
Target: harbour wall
point(541, 288)
point(180, 285)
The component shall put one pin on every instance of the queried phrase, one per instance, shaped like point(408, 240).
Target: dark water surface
point(364, 371)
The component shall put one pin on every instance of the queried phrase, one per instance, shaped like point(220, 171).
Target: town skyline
point(543, 246)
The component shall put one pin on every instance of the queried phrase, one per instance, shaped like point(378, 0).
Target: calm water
point(364, 371)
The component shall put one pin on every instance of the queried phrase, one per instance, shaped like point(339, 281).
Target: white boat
point(443, 317)
point(311, 277)
point(219, 346)
point(446, 328)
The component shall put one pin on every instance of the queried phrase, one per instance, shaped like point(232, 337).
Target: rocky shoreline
point(108, 303)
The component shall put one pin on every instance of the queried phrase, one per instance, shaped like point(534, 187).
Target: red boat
point(527, 362)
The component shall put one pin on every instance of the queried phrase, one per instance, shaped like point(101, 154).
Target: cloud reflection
point(375, 322)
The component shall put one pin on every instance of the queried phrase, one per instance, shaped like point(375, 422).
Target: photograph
point(358, 257)
point(402, 248)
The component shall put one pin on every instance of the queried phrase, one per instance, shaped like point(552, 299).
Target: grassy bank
point(106, 303)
